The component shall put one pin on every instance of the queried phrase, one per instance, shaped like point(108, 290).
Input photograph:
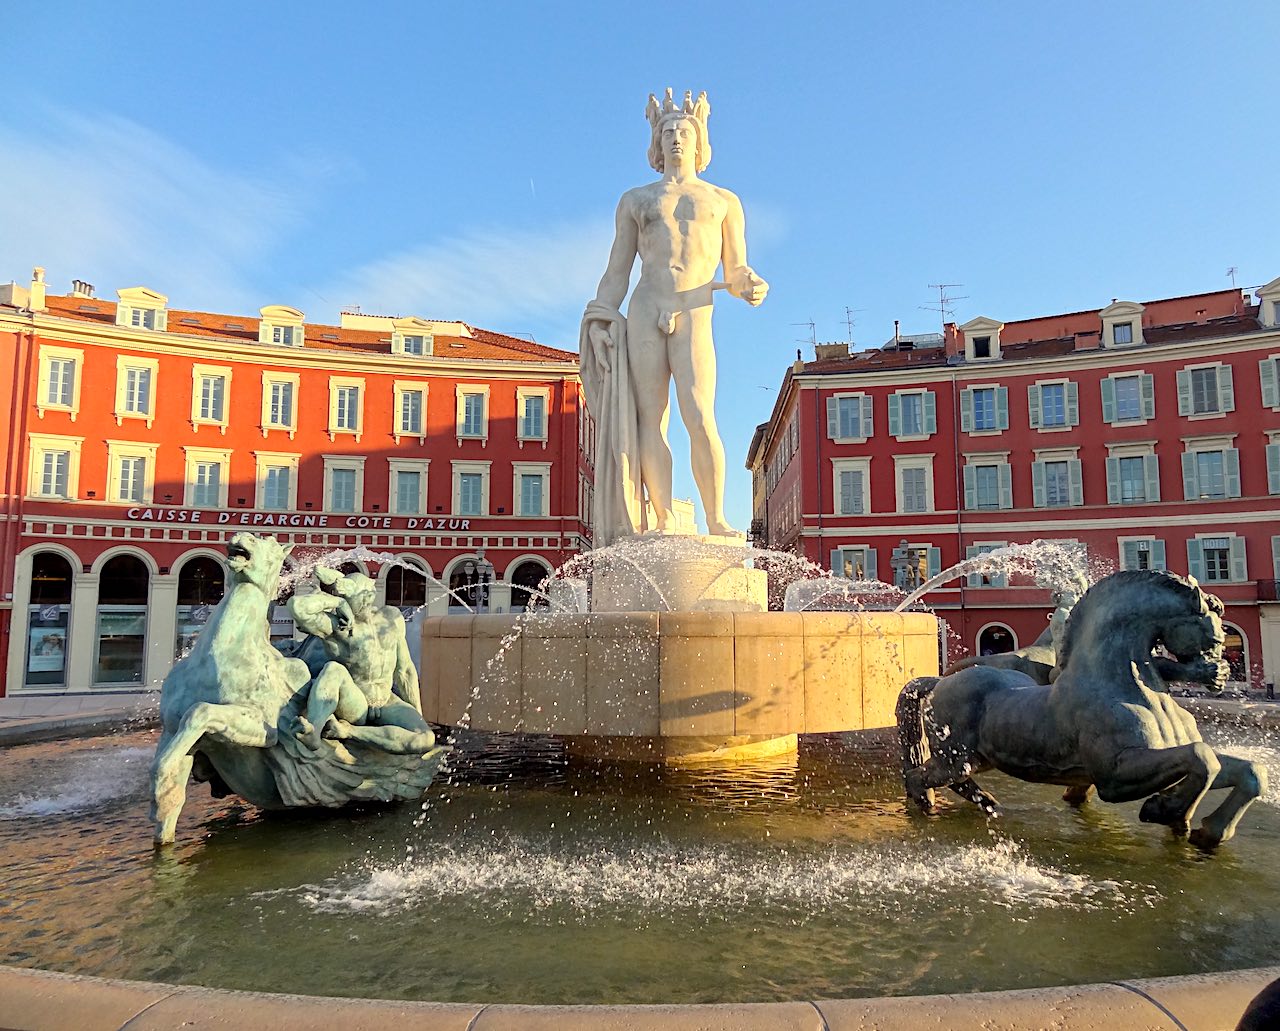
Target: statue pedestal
point(663, 573)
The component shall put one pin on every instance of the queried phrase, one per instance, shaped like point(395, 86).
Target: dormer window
point(981, 339)
point(1269, 305)
point(1121, 324)
point(413, 337)
point(281, 326)
point(1122, 333)
point(141, 308)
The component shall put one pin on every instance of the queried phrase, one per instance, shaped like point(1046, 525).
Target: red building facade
point(141, 437)
point(1146, 434)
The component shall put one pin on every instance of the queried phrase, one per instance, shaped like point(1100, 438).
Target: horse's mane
point(1115, 593)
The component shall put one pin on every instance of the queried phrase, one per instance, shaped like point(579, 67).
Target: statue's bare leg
point(1247, 781)
point(651, 385)
point(332, 693)
point(400, 728)
point(235, 724)
point(693, 366)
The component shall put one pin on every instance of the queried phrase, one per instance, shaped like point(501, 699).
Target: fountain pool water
point(529, 878)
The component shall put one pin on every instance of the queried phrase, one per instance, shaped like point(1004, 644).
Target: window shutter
point(1006, 485)
point(966, 411)
point(1231, 464)
point(1275, 557)
point(870, 564)
point(1076, 480)
point(935, 562)
point(1239, 571)
point(1037, 484)
point(930, 412)
point(970, 491)
point(1108, 400)
point(1129, 549)
point(1151, 471)
point(1113, 483)
point(895, 415)
point(1226, 389)
point(1157, 555)
point(1273, 468)
point(1033, 405)
point(974, 579)
point(1184, 392)
point(868, 423)
point(847, 492)
point(837, 562)
point(1267, 373)
point(1148, 396)
point(1195, 558)
point(1190, 490)
point(1002, 408)
point(833, 419)
point(1073, 404)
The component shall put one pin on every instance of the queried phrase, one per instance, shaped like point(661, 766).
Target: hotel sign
point(299, 519)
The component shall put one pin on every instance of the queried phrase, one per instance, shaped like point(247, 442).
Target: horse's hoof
point(1204, 840)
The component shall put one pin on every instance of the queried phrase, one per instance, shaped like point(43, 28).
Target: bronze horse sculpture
point(1106, 721)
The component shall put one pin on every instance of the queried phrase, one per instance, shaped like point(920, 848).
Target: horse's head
point(256, 560)
point(1195, 640)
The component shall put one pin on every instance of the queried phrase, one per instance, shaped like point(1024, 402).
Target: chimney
point(839, 349)
point(37, 289)
point(79, 288)
point(896, 332)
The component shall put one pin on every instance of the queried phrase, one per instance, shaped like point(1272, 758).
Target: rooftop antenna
point(1232, 273)
point(813, 332)
point(850, 321)
point(944, 307)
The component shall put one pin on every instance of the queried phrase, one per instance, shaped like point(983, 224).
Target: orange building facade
point(142, 437)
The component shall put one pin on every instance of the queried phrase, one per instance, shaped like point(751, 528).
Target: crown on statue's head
point(697, 111)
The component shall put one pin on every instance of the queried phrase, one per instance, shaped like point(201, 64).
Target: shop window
point(48, 621)
point(996, 640)
point(121, 632)
point(1235, 653)
point(201, 584)
point(406, 588)
point(526, 584)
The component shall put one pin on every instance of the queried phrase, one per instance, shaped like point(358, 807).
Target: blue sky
point(463, 161)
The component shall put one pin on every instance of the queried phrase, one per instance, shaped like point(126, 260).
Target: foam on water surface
point(90, 780)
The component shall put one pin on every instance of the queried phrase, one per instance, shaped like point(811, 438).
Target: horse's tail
point(912, 737)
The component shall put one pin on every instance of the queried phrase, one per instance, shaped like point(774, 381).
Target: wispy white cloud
point(522, 281)
point(108, 200)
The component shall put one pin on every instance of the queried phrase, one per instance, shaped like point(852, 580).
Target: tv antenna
point(1232, 273)
point(944, 307)
point(813, 333)
point(850, 321)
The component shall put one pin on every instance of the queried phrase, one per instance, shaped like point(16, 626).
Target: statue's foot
point(335, 728)
point(719, 528)
point(308, 734)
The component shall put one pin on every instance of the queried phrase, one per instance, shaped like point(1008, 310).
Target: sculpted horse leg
point(1175, 778)
point(969, 790)
point(234, 724)
point(1247, 782)
point(1077, 794)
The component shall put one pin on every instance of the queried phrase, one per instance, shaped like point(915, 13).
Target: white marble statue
point(682, 228)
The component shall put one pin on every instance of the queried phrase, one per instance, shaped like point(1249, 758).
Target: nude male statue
point(682, 228)
point(368, 690)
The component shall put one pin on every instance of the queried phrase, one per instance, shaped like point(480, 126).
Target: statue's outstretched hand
point(601, 344)
point(750, 287)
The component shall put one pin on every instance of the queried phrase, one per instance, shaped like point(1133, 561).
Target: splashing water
point(1060, 566)
point(92, 781)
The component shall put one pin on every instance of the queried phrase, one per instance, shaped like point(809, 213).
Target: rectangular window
point(850, 409)
point(533, 420)
point(287, 335)
point(142, 318)
point(912, 414)
point(342, 490)
point(1128, 392)
point(984, 408)
point(915, 490)
point(411, 412)
point(1133, 478)
point(205, 490)
point(850, 492)
point(1204, 391)
point(1217, 558)
point(472, 417)
point(414, 345)
point(212, 397)
point(1123, 332)
point(470, 493)
point(854, 563)
point(281, 409)
point(275, 488)
point(137, 391)
point(531, 487)
point(408, 493)
point(55, 474)
point(982, 347)
point(1057, 484)
point(62, 380)
point(987, 486)
point(347, 414)
point(1053, 404)
point(133, 475)
point(1210, 475)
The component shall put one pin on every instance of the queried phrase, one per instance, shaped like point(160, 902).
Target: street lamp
point(484, 569)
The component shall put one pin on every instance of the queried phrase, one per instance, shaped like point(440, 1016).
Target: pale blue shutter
point(1226, 389)
point(1033, 406)
point(833, 419)
point(1267, 373)
point(1195, 558)
point(1006, 485)
point(1002, 408)
point(1184, 392)
point(966, 410)
point(1129, 551)
point(935, 562)
point(847, 492)
point(1076, 481)
point(930, 412)
point(1157, 555)
point(1148, 396)
point(869, 564)
point(1037, 484)
point(1239, 571)
point(1275, 557)
point(1273, 468)
point(1108, 400)
point(895, 415)
point(970, 487)
point(868, 425)
point(837, 562)
point(974, 579)
point(1113, 483)
point(1073, 404)
point(1151, 472)
point(1190, 489)
point(1231, 465)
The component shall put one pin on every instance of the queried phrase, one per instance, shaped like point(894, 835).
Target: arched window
point(996, 640)
point(121, 639)
point(1235, 651)
point(48, 620)
point(406, 588)
point(527, 575)
point(201, 583)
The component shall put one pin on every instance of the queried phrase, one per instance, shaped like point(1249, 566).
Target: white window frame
point(1070, 394)
point(199, 372)
point(399, 388)
point(998, 460)
point(279, 316)
point(1143, 449)
point(407, 465)
point(977, 549)
point(869, 559)
point(1139, 539)
point(264, 460)
point(125, 362)
point(145, 302)
point(347, 463)
point(412, 327)
point(1118, 313)
point(974, 330)
point(1232, 537)
point(1223, 409)
point(1224, 443)
point(337, 384)
point(863, 399)
point(968, 405)
point(541, 469)
point(40, 445)
point(268, 378)
point(523, 393)
point(1142, 376)
point(923, 394)
point(460, 392)
point(1068, 455)
point(904, 462)
point(1269, 305)
point(71, 354)
point(120, 449)
point(841, 465)
point(204, 455)
point(457, 469)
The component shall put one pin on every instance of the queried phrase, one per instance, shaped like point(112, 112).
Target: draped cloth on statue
point(619, 490)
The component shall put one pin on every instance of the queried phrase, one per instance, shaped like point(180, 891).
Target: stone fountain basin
point(673, 677)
